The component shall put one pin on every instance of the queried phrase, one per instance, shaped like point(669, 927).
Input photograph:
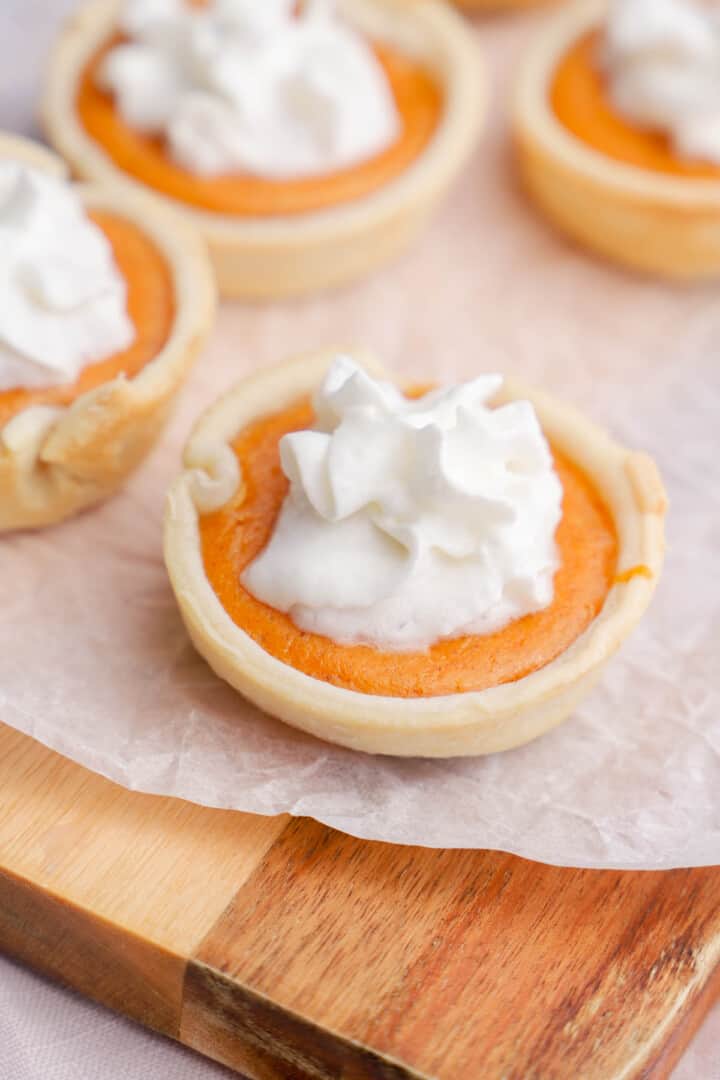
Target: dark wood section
point(469, 964)
point(249, 1032)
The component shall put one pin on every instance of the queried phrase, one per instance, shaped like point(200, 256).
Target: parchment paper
point(95, 663)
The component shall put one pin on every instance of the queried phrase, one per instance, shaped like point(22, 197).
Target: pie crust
point(57, 460)
point(646, 220)
point(476, 722)
point(260, 258)
point(498, 5)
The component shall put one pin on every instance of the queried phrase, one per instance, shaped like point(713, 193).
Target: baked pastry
point(616, 115)
point(342, 131)
point(437, 582)
point(105, 306)
point(498, 5)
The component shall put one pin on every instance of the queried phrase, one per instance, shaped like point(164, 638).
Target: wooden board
point(292, 952)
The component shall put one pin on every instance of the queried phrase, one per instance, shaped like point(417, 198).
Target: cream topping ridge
point(662, 61)
point(409, 521)
point(63, 300)
point(252, 86)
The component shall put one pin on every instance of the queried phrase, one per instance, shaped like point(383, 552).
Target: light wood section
point(162, 868)
point(111, 889)
point(103, 960)
point(293, 952)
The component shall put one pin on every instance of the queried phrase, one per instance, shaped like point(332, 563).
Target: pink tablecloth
point(48, 1033)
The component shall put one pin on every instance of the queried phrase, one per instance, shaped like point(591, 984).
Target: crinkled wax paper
point(94, 660)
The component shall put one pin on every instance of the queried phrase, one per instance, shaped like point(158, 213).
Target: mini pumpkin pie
point(438, 572)
point(617, 125)
point(473, 6)
point(104, 307)
point(307, 144)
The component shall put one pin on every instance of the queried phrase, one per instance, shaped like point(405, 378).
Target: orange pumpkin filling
point(419, 104)
point(150, 304)
point(580, 100)
point(234, 535)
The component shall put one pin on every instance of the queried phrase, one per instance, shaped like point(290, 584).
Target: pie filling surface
point(581, 102)
point(150, 304)
point(419, 103)
point(232, 537)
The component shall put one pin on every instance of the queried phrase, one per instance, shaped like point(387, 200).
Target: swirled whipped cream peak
point(62, 297)
point(251, 86)
point(408, 521)
point(662, 60)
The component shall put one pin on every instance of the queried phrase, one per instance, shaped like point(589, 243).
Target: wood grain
point(109, 889)
point(293, 952)
point(99, 958)
point(80, 836)
point(526, 965)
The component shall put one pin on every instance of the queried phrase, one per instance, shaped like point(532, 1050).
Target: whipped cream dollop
point(662, 60)
point(410, 521)
point(251, 86)
point(62, 297)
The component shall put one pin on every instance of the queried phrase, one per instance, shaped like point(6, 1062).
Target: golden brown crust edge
point(493, 6)
point(270, 258)
point(450, 726)
point(647, 221)
point(56, 461)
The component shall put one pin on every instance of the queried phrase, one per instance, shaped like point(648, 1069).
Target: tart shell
point(57, 460)
point(285, 256)
point(650, 222)
point(454, 725)
point(492, 6)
